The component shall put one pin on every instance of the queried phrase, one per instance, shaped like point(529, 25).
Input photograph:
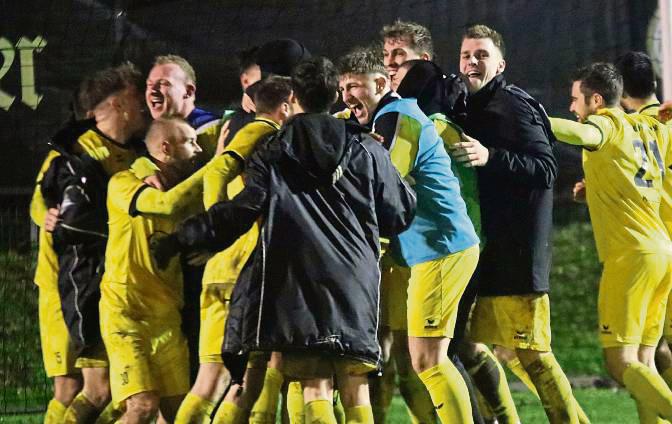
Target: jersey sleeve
point(587, 135)
point(151, 200)
point(38, 207)
point(223, 170)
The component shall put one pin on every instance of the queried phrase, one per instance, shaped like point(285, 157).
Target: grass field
point(603, 406)
point(574, 280)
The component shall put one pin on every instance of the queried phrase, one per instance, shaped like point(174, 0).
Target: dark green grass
point(601, 406)
point(574, 283)
point(23, 384)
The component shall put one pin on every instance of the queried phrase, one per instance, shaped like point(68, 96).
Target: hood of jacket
point(318, 145)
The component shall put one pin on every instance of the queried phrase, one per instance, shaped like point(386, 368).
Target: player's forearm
point(170, 202)
point(224, 222)
point(576, 133)
point(222, 171)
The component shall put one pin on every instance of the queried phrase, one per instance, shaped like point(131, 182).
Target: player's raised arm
point(571, 132)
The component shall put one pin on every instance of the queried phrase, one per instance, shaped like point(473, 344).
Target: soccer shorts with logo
point(632, 300)
point(302, 366)
point(393, 288)
point(434, 293)
point(144, 354)
point(515, 322)
point(214, 311)
point(58, 351)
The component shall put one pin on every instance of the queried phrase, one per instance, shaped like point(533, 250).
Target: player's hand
point(379, 138)
point(154, 181)
point(248, 104)
point(579, 191)
point(164, 249)
point(665, 112)
point(470, 152)
point(223, 133)
point(52, 219)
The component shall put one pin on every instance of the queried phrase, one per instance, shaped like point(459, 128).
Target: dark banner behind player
point(48, 46)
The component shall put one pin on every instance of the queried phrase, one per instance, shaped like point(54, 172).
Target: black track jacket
point(326, 192)
point(516, 189)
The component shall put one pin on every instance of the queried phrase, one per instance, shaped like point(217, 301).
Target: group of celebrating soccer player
point(195, 266)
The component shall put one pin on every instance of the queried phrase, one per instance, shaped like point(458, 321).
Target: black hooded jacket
point(78, 184)
point(326, 192)
point(515, 188)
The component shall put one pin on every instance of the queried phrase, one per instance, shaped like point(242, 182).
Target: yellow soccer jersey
point(624, 179)
point(651, 110)
point(113, 156)
point(223, 181)
point(138, 215)
point(207, 136)
point(46, 271)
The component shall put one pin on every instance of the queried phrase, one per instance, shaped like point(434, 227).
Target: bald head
point(171, 140)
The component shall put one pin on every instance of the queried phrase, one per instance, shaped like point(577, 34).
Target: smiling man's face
point(168, 91)
point(480, 62)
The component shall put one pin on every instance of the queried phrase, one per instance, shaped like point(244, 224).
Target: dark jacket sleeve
point(77, 186)
point(395, 200)
point(530, 160)
point(225, 221)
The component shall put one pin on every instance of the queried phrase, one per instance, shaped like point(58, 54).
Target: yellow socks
point(517, 369)
point(416, 396)
point(339, 411)
point(359, 415)
point(554, 390)
point(484, 408)
point(266, 405)
point(667, 376)
point(230, 413)
point(194, 410)
point(449, 393)
point(320, 412)
point(110, 415)
point(81, 410)
point(647, 387)
point(295, 403)
point(489, 378)
point(55, 412)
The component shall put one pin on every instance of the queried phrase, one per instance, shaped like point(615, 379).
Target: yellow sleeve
point(143, 167)
point(154, 201)
point(590, 135)
point(247, 138)
point(230, 164)
point(223, 170)
point(38, 209)
point(448, 131)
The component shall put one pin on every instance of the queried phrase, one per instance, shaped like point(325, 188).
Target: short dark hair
point(601, 78)
point(98, 87)
point(483, 31)
point(246, 59)
point(417, 36)
point(639, 78)
point(360, 61)
point(272, 92)
point(315, 84)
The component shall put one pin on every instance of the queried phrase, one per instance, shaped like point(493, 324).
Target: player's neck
point(640, 103)
point(111, 129)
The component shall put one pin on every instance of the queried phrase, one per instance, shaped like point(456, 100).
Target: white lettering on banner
point(27, 49)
